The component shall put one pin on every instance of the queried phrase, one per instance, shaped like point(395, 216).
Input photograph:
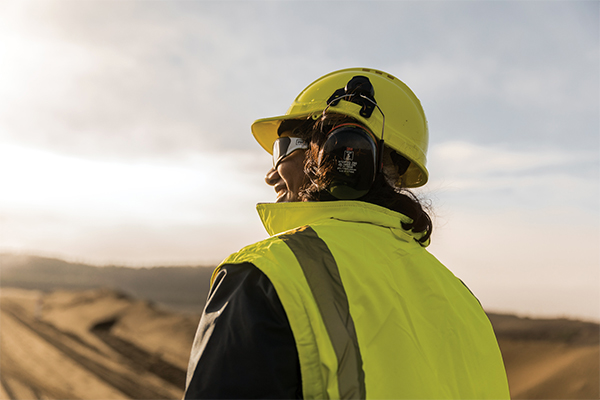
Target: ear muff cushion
point(349, 155)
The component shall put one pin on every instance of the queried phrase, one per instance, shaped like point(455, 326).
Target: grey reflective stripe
point(323, 276)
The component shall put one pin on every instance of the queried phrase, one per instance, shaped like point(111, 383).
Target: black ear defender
point(350, 156)
point(354, 154)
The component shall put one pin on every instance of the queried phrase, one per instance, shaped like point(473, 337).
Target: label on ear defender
point(347, 165)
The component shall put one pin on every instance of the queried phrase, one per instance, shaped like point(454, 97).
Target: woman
point(343, 300)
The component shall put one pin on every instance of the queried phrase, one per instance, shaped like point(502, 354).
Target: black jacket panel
point(244, 346)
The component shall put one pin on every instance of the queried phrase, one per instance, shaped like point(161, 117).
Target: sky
point(125, 129)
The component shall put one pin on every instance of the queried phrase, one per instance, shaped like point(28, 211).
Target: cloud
point(135, 86)
point(541, 263)
point(470, 176)
point(522, 74)
point(520, 227)
point(96, 209)
point(113, 79)
point(189, 191)
point(468, 158)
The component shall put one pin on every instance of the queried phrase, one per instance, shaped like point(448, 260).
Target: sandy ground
point(99, 344)
point(90, 345)
point(550, 370)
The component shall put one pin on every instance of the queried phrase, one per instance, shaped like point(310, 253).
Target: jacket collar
point(281, 217)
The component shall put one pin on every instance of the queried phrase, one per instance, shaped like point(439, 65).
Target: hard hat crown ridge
point(406, 129)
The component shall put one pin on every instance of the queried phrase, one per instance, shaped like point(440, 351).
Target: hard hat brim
point(265, 130)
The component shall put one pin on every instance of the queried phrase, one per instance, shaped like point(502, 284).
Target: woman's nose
point(272, 177)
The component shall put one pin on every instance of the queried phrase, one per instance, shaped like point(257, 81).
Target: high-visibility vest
point(373, 313)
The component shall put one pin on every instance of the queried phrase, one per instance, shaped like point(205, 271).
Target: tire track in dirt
point(24, 378)
point(27, 361)
point(138, 357)
point(6, 387)
point(125, 383)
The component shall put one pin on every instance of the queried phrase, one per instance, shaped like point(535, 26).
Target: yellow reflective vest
point(373, 313)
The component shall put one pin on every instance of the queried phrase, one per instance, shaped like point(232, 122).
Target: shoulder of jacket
point(265, 248)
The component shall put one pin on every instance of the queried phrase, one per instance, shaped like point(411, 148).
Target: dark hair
point(383, 193)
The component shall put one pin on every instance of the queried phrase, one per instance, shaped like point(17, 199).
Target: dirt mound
point(70, 345)
point(549, 358)
point(563, 330)
point(102, 344)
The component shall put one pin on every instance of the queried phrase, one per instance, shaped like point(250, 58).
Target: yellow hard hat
point(405, 123)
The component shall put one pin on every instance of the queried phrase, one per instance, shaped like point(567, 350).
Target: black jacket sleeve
point(244, 347)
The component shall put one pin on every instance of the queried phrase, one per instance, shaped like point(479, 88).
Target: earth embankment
point(102, 344)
